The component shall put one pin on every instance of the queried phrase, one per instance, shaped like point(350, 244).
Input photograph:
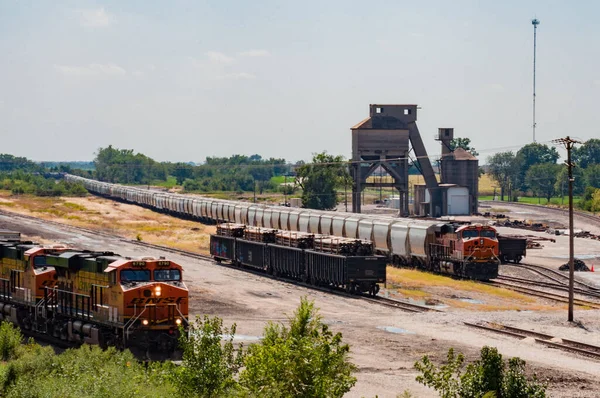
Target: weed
point(139, 237)
point(74, 206)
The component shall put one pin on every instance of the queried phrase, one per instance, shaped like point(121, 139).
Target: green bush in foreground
point(303, 360)
point(486, 377)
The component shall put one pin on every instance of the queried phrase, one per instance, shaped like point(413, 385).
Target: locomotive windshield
point(470, 233)
point(488, 233)
point(167, 275)
point(135, 275)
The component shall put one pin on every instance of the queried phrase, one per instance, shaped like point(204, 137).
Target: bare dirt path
point(385, 360)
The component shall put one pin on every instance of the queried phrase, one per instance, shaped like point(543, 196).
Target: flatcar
point(404, 241)
point(93, 297)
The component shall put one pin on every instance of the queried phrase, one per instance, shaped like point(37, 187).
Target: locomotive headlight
point(145, 322)
point(157, 291)
point(178, 321)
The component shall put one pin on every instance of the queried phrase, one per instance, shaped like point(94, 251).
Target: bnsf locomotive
point(468, 251)
point(431, 244)
point(93, 297)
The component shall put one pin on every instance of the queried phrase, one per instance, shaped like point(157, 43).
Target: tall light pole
point(535, 22)
point(568, 142)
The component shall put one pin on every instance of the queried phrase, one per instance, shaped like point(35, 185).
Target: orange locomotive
point(93, 297)
point(469, 251)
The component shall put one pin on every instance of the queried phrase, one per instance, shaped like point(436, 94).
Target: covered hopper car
point(433, 245)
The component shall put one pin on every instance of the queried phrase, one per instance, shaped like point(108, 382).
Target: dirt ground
point(385, 359)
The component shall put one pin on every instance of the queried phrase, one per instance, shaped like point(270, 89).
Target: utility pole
point(535, 22)
point(568, 142)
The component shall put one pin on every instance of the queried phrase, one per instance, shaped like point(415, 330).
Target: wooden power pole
point(568, 142)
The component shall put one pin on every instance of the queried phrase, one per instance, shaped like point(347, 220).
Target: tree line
point(235, 173)
point(533, 169)
point(23, 176)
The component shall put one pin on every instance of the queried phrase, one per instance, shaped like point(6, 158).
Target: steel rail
point(551, 209)
point(542, 338)
point(541, 270)
point(554, 286)
point(541, 294)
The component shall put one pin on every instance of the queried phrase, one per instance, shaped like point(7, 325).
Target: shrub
point(302, 360)
point(10, 340)
point(209, 364)
point(486, 377)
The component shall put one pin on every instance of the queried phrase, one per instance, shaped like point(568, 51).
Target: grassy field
point(129, 221)
point(423, 286)
point(556, 201)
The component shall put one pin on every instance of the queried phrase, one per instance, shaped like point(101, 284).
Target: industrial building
point(387, 139)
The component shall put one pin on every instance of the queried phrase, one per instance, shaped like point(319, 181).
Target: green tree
point(587, 154)
point(541, 178)
point(123, 166)
point(504, 168)
point(182, 171)
point(532, 154)
point(302, 360)
point(486, 377)
point(209, 364)
point(592, 175)
point(319, 180)
point(464, 143)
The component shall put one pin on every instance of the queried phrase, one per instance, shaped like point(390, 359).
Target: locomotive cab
point(478, 243)
point(154, 295)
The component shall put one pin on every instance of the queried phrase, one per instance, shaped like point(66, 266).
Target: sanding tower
point(383, 140)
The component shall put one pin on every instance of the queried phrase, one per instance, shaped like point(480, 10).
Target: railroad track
point(398, 304)
point(542, 338)
point(542, 294)
point(553, 275)
point(388, 302)
point(591, 217)
point(555, 286)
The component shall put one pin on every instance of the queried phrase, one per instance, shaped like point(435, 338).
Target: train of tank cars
point(467, 251)
point(76, 296)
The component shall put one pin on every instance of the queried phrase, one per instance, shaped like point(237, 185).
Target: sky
point(183, 80)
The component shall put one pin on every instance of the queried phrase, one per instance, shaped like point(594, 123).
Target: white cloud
point(219, 58)
point(237, 76)
point(255, 53)
point(95, 18)
point(91, 70)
